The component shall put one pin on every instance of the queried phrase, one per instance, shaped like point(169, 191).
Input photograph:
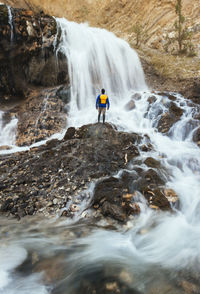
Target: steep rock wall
point(27, 53)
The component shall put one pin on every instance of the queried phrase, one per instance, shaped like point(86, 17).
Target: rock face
point(27, 53)
point(40, 116)
point(47, 178)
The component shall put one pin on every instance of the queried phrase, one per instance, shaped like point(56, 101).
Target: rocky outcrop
point(27, 53)
point(49, 178)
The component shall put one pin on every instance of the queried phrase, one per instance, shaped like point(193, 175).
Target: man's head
point(102, 91)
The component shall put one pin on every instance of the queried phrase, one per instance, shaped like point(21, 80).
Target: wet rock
point(171, 195)
point(146, 148)
point(130, 105)
point(168, 95)
point(136, 96)
point(156, 198)
point(152, 99)
point(5, 147)
point(52, 268)
point(113, 211)
point(169, 118)
point(112, 199)
point(196, 136)
point(69, 133)
point(33, 47)
point(189, 287)
point(162, 287)
point(64, 94)
point(151, 162)
point(175, 110)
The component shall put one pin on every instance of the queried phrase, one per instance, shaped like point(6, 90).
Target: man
point(101, 102)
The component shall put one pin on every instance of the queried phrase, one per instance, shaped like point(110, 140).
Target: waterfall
point(7, 130)
point(97, 59)
point(10, 21)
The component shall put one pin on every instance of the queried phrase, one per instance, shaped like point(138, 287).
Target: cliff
point(27, 53)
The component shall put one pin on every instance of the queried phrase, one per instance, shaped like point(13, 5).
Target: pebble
point(55, 201)
point(50, 203)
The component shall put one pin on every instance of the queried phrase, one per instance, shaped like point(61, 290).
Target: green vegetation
point(183, 35)
point(140, 34)
point(180, 40)
point(179, 26)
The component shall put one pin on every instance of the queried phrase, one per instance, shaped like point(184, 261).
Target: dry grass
point(171, 66)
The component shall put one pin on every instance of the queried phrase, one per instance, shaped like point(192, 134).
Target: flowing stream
point(153, 253)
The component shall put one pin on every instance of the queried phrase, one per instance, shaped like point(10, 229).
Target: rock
point(152, 99)
point(131, 208)
point(196, 136)
point(151, 162)
point(146, 148)
point(113, 211)
point(52, 268)
point(55, 201)
point(192, 91)
point(69, 133)
point(156, 198)
point(5, 147)
point(171, 195)
point(62, 169)
point(168, 119)
point(126, 277)
point(32, 47)
point(64, 94)
point(168, 95)
point(39, 117)
point(112, 287)
point(130, 105)
point(136, 96)
point(190, 288)
point(74, 208)
point(163, 287)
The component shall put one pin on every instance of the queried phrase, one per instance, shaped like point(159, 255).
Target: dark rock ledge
point(46, 178)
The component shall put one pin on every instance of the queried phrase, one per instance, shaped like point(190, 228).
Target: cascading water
point(97, 59)
point(10, 21)
point(157, 245)
point(7, 131)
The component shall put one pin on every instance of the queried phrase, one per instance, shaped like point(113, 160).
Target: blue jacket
point(102, 101)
